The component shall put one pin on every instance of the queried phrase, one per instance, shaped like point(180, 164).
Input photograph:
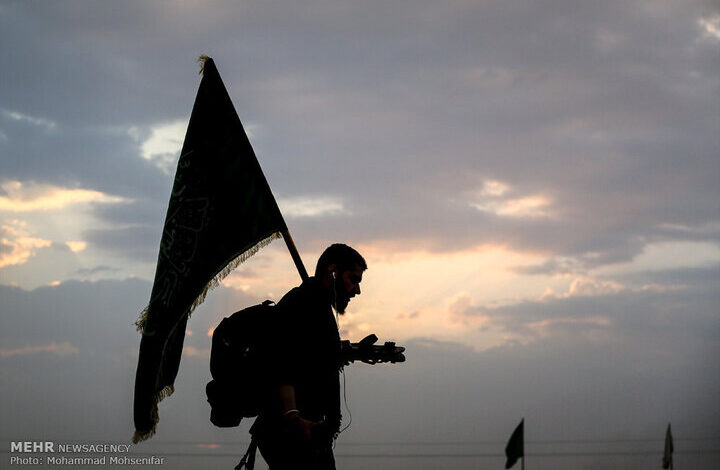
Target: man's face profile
point(347, 286)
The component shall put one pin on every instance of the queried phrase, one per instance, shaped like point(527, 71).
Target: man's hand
point(301, 426)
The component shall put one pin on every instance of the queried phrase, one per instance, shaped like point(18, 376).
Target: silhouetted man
point(301, 417)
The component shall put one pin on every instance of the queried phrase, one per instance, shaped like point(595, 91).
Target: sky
point(534, 186)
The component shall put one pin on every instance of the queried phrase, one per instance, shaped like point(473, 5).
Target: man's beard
point(341, 303)
point(340, 299)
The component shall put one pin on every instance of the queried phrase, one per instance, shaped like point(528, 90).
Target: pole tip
point(202, 60)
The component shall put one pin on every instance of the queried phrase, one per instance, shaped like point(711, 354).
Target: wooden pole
point(295, 255)
point(522, 459)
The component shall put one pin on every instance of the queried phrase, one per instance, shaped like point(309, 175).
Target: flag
point(515, 447)
point(667, 454)
point(221, 212)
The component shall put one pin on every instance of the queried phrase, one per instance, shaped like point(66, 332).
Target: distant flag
point(221, 212)
point(515, 447)
point(667, 461)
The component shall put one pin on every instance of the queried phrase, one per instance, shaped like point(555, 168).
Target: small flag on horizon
point(667, 461)
point(515, 447)
point(221, 212)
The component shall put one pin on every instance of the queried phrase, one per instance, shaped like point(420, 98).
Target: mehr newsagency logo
point(56, 453)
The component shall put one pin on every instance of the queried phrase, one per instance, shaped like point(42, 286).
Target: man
point(301, 416)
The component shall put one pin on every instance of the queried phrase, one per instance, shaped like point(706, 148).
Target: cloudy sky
point(535, 187)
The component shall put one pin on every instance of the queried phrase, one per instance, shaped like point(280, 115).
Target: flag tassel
point(162, 394)
point(218, 278)
point(202, 60)
point(214, 282)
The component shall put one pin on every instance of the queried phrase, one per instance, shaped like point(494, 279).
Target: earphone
point(334, 299)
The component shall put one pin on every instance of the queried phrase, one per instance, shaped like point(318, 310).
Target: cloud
point(54, 262)
point(549, 382)
point(708, 228)
point(588, 287)
point(96, 269)
point(493, 188)
point(571, 107)
point(59, 349)
point(162, 146)
point(31, 197)
point(138, 242)
point(58, 216)
point(531, 206)
point(407, 316)
point(192, 351)
point(76, 246)
point(17, 244)
point(39, 122)
point(496, 197)
point(308, 206)
point(459, 308)
point(669, 256)
point(645, 257)
point(601, 310)
point(558, 265)
point(710, 27)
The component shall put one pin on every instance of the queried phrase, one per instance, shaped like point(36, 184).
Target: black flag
point(669, 448)
point(515, 447)
point(221, 211)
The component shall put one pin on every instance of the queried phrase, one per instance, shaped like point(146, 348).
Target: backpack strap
point(248, 460)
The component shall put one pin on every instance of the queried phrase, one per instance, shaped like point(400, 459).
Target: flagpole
point(294, 253)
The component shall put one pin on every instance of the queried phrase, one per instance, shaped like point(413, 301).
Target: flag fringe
point(216, 280)
point(241, 258)
point(142, 319)
point(162, 394)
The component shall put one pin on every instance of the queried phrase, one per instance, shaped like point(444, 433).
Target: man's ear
point(331, 269)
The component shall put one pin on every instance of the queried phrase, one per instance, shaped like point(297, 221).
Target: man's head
point(340, 268)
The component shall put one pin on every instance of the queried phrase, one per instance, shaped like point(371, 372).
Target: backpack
point(238, 364)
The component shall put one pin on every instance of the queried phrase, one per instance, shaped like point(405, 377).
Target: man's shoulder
point(310, 291)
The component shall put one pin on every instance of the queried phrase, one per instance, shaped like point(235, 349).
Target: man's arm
point(285, 397)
